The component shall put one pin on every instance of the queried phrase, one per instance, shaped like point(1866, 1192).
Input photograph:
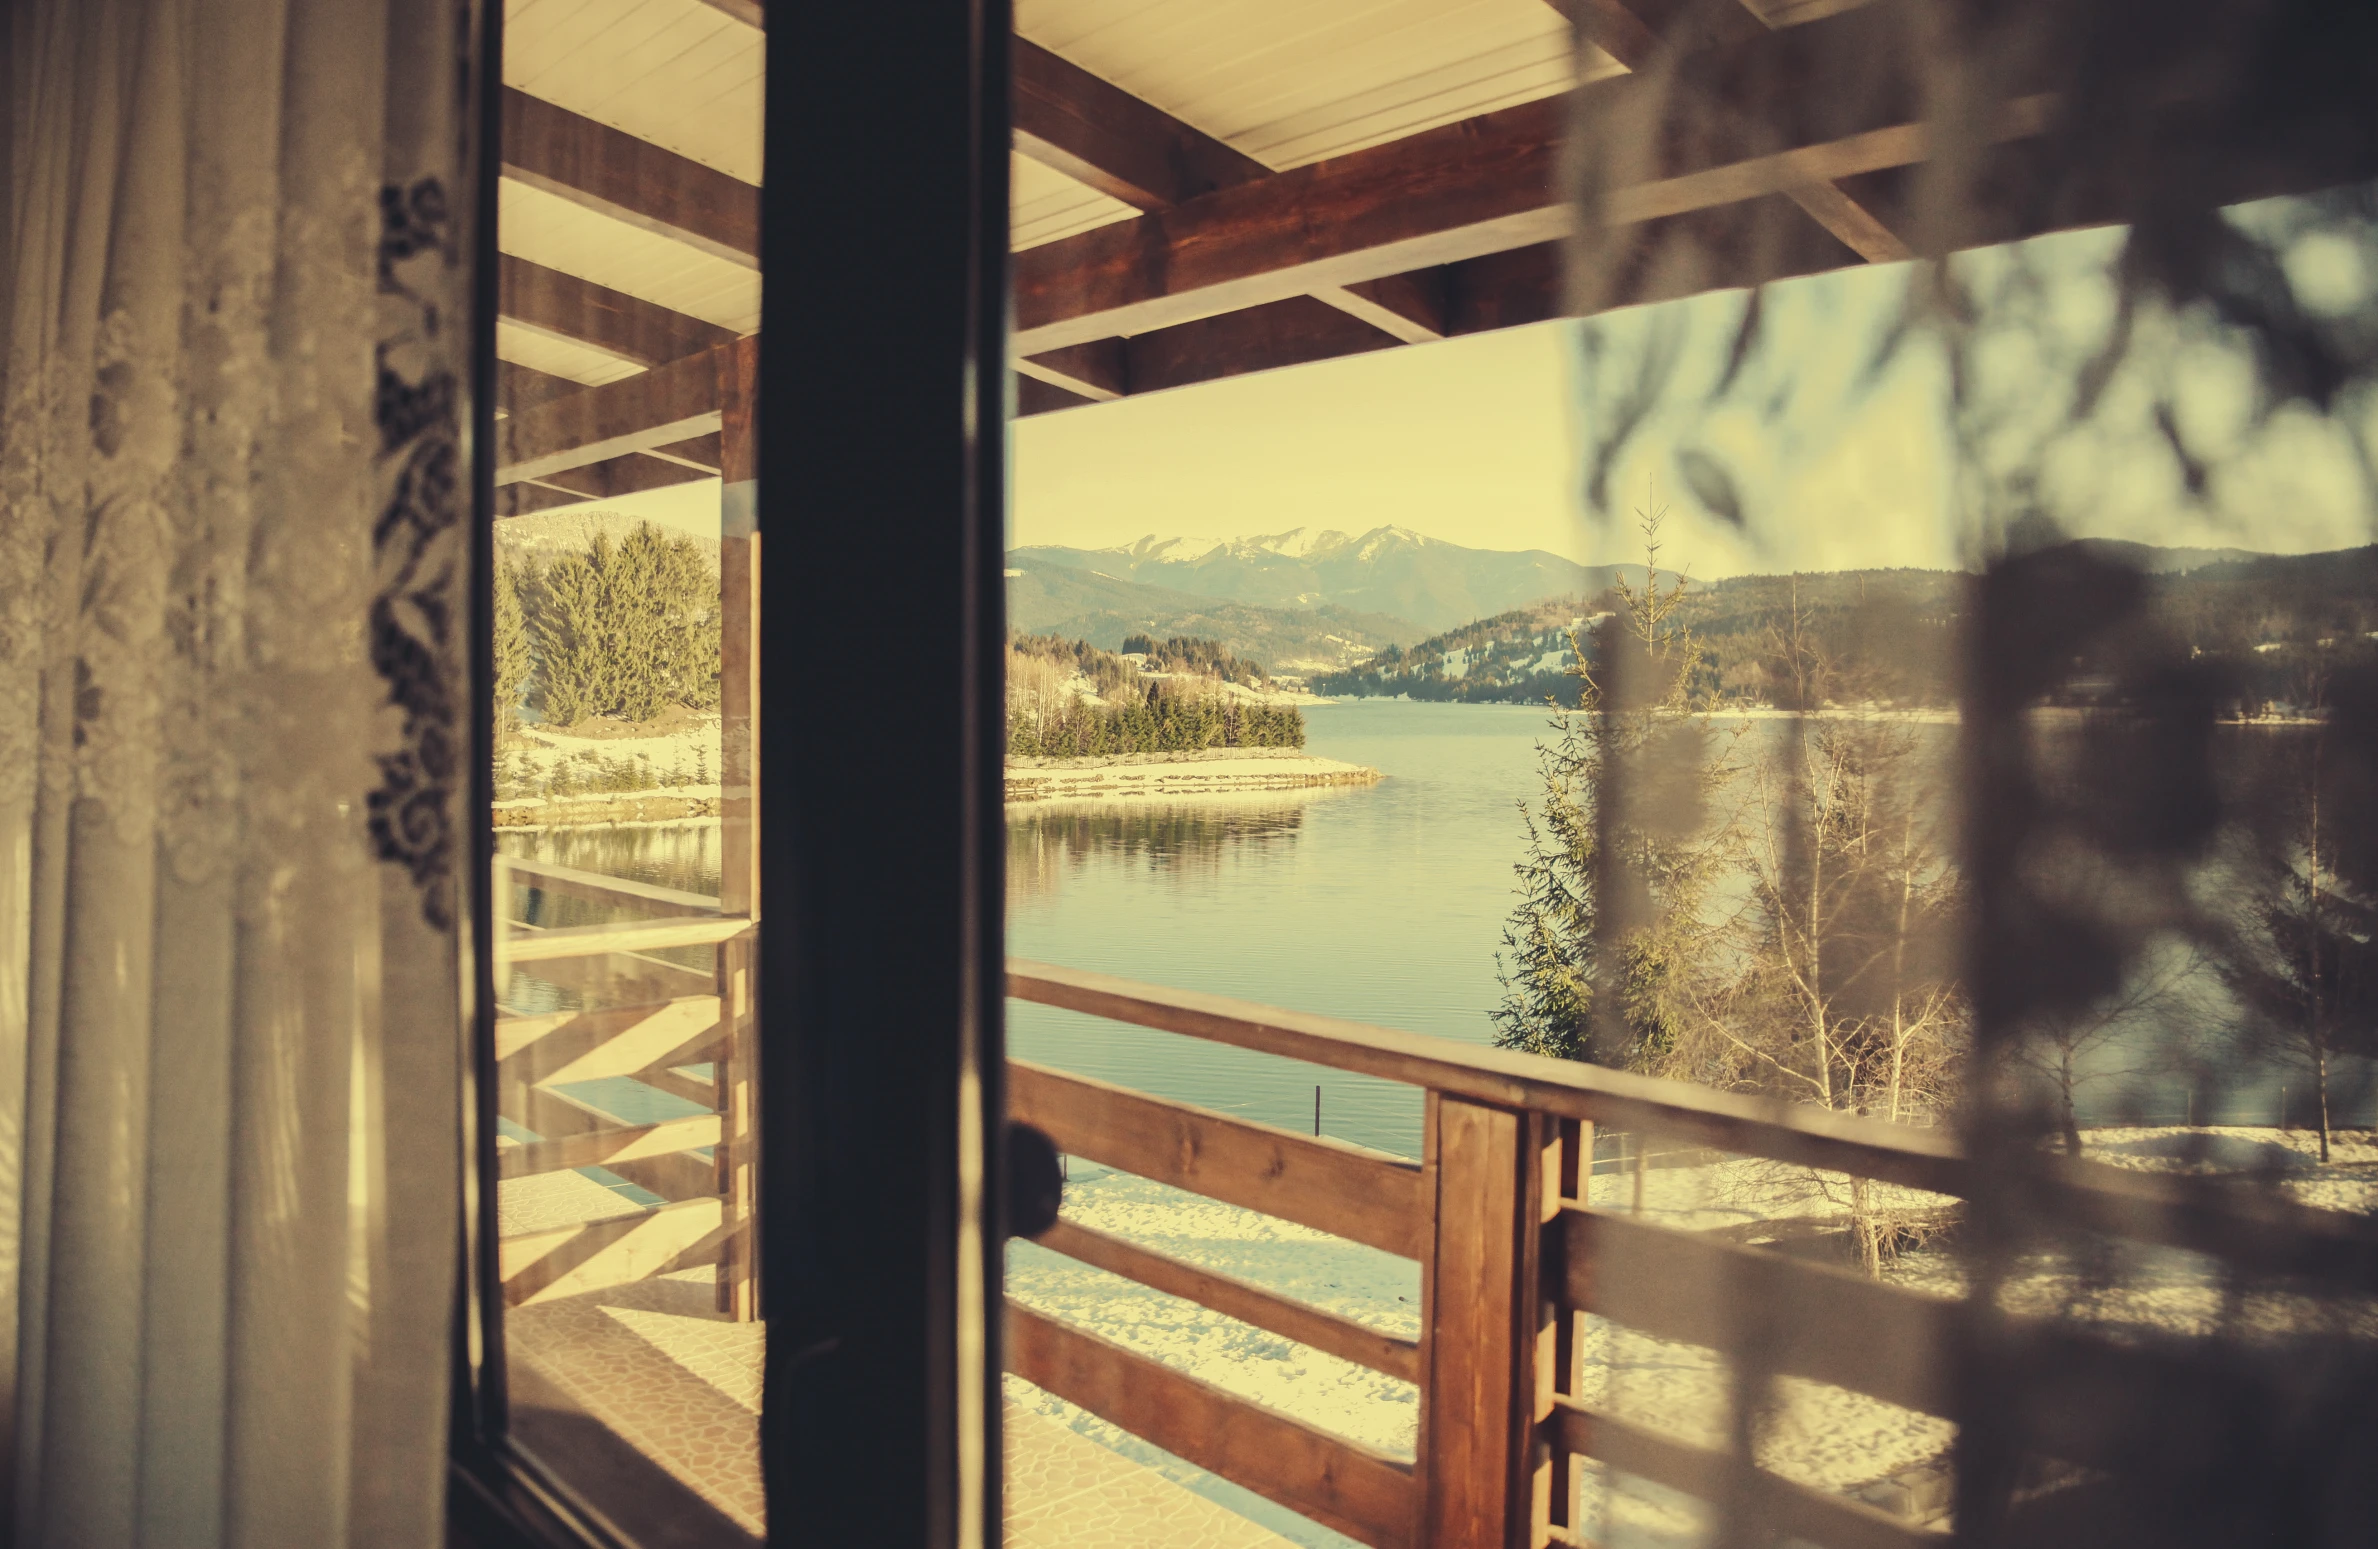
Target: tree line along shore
point(1069, 699)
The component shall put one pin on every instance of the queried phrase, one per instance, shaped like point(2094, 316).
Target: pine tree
point(1606, 950)
point(626, 630)
point(513, 659)
point(575, 651)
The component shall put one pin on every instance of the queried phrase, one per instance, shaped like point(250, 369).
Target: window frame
point(882, 1281)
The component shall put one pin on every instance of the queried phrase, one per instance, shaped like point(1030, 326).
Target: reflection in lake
point(1045, 842)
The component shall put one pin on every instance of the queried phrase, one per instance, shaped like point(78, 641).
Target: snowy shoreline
point(1167, 776)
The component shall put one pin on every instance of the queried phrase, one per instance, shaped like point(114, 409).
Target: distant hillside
point(1519, 657)
point(1388, 570)
point(2262, 622)
point(2160, 561)
point(1045, 597)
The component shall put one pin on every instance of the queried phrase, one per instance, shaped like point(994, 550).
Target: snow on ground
point(1823, 1435)
point(682, 759)
point(1820, 1435)
point(2289, 1158)
point(1329, 1272)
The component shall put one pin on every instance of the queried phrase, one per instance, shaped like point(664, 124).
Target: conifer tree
point(513, 660)
point(1606, 950)
point(626, 630)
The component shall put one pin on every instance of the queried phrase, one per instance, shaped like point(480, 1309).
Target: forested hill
point(1069, 699)
point(1890, 637)
point(1520, 657)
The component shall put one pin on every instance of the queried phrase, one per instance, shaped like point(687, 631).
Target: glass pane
point(1886, 739)
point(625, 599)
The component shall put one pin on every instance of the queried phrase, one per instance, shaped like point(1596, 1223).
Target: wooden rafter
point(601, 168)
point(1482, 186)
point(528, 499)
point(628, 475)
point(1096, 133)
point(705, 454)
point(1723, 247)
point(668, 404)
point(1436, 197)
point(1131, 151)
point(1504, 290)
point(519, 387)
point(564, 306)
point(1623, 31)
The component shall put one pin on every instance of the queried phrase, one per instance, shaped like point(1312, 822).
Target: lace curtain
point(233, 584)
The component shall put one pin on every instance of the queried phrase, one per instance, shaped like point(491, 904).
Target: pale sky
point(1485, 441)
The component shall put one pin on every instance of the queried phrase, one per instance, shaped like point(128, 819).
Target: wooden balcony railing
point(1496, 1213)
point(1511, 1254)
point(675, 1019)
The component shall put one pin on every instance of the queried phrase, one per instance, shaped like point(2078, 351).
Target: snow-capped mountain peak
point(1385, 570)
point(1177, 550)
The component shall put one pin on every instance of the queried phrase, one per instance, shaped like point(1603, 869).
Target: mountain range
point(1389, 571)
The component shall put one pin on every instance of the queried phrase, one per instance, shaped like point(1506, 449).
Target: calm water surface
point(1384, 904)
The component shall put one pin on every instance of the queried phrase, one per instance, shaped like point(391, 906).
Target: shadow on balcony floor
point(656, 1365)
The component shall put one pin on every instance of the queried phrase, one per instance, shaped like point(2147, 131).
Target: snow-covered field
point(538, 762)
point(1820, 1435)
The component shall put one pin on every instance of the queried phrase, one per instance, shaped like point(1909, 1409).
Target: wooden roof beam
point(519, 387)
point(1409, 306)
point(601, 168)
point(1621, 30)
point(1097, 372)
point(1096, 133)
point(704, 454)
point(1482, 186)
point(563, 306)
point(670, 403)
point(1733, 245)
point(1130, 150)
point(616, 476)
point(1501, 291)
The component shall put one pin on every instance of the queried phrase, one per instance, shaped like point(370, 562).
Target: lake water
point(1384, 904)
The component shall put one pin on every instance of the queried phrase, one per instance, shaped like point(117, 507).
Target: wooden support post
point(1488, 1478)
point(1568, 1179)
point(739, 811)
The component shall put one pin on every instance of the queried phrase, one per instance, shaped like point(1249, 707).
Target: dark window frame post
point(879, 433)
point(882, 415)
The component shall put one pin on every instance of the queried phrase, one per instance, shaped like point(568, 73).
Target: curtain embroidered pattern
point(233, 659)
point(417, 615)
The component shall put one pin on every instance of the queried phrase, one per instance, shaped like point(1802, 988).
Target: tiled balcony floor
point(656, 1364)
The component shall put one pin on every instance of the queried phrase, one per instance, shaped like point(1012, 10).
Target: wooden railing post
point(1486, 1328)
point(1568, 1175)
point(739, 826)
